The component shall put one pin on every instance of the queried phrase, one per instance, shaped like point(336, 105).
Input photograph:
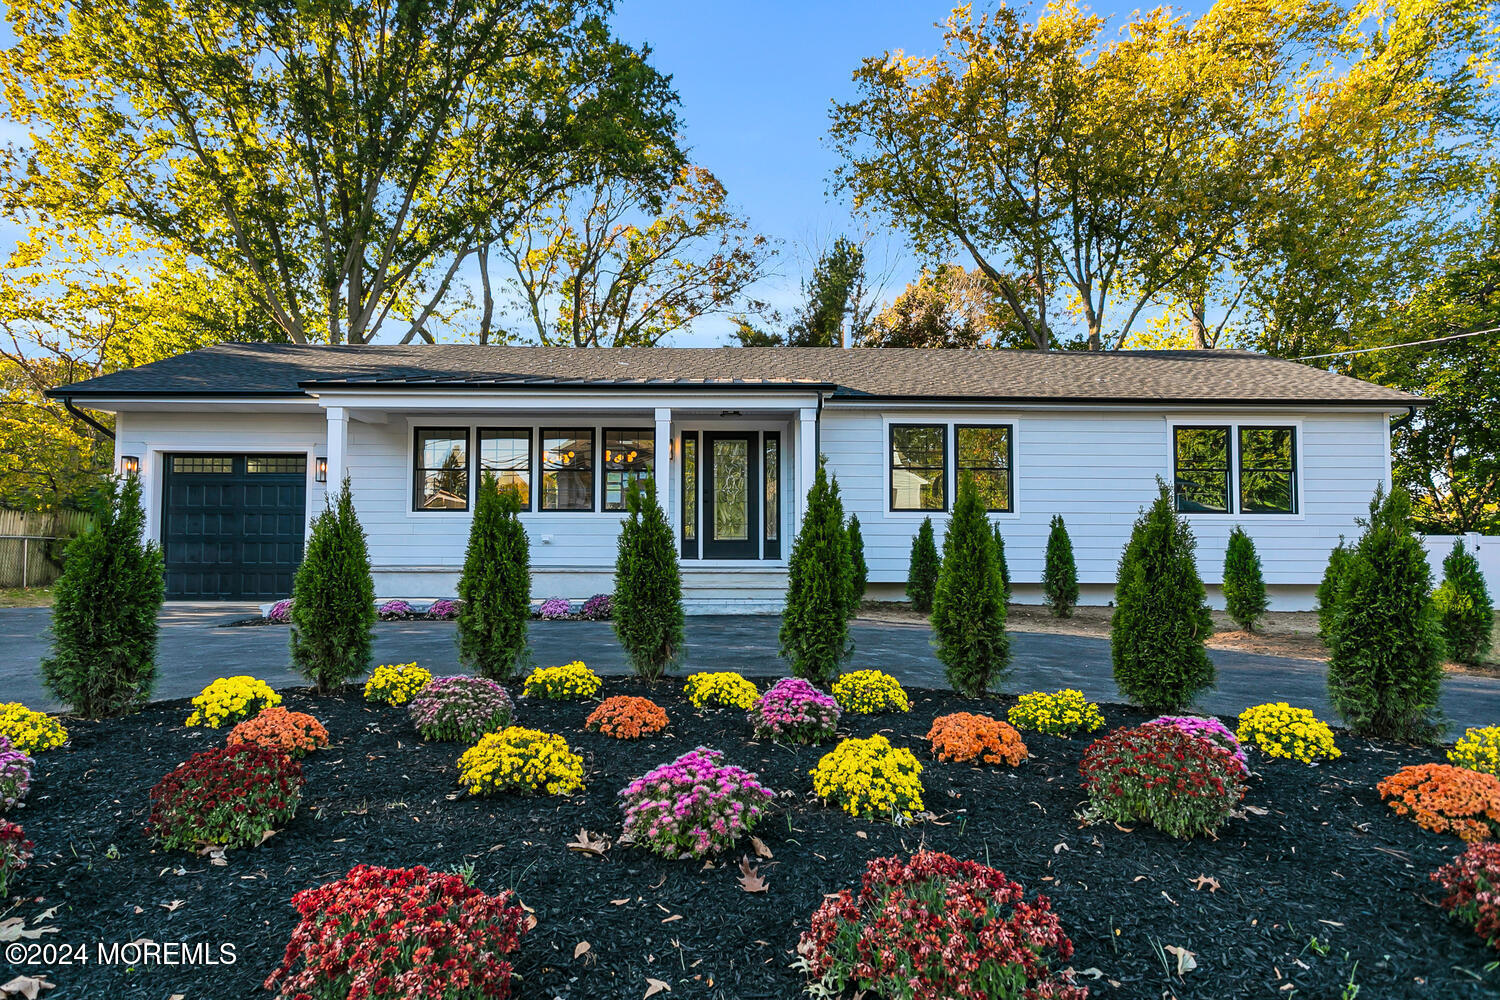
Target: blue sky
point(756, 80)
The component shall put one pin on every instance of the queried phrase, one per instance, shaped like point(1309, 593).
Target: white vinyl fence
point(1486, 549)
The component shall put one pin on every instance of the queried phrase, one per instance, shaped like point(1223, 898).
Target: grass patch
point(25, 597)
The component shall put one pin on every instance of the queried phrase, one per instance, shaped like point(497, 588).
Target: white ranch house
point(236, 445)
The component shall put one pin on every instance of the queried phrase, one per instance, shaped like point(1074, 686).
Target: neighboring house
point(235, 446)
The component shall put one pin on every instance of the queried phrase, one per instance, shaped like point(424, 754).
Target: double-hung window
point(628, 458)
point(505, 453)
point(568, 469)
point(1255, 466)
point(441, 469)
point(919, 466)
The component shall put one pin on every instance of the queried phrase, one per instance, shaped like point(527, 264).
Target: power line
point(1392, 347)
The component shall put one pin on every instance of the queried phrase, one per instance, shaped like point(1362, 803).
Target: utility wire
point(1392, 347)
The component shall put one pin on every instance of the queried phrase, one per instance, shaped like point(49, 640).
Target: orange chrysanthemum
point(293, 733)
point(963, 737)
point(1446, 799)
point(627, 718)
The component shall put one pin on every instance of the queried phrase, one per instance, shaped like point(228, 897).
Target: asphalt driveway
point(195, 647)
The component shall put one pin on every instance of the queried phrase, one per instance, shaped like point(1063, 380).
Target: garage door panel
point(233, 525)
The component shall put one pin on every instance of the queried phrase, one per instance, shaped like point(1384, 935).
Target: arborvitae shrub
point(103, 660)
point(859, 571)
point(1000, 560)
point(333, 598)
point(1463, 605)
point(1161, 618)
point(1385, 643)
point(1244, 588)
point(495, 587)
point(648, 586)
point(1060, 575)
point(968, 610)
point(1328, 589)
point(922, 573)
point(815, 623)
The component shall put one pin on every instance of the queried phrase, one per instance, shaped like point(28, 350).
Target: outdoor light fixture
point(130, 465)
point(320, 470)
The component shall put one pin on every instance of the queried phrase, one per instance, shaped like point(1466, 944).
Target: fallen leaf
point(268, 834)
point(761, 850)
point(1206, 882)
point(1060, 847)
point(173, 906)
point(750, 879)
point(1186, 961)
point(26, 986)
point(655, 986)
point(14, 929)
point(861, 835)
point(580, 949)
point(675, 916)
point(1257, 811)
point(618, 902)
point(1124, 829)
point(531, 921)
point(588, 843)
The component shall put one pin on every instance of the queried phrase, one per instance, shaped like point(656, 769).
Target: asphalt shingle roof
point(1010, 376)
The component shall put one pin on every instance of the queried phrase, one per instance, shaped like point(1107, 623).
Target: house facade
point(236, 446)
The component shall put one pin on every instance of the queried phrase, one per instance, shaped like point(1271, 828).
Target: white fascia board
point(1299, 409)
point(682, 400)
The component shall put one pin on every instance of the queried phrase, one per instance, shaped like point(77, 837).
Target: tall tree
point(968, 608)
point(836, 307)
point(947, 306)
point(495, 585)
point(815, 622)
point(648, 586)
point(339, 160)
point(602, 268)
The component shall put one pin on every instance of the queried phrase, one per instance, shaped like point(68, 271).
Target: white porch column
point(807, 461)
point(338, 446)
point(662, 462)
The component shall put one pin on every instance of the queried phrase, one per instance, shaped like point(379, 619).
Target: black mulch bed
point(1326, 888)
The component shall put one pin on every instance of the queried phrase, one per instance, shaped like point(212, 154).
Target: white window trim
point(950, 461)
point(1234, 424)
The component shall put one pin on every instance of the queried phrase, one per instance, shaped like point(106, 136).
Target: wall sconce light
point(130, 465)
point(320, 470)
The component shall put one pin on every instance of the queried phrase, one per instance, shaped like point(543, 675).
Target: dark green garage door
point(233, 525)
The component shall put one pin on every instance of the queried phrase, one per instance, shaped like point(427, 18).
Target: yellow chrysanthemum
point(725, 688)
point(569, 682)
point(28, 731)
point(869, 692)
point(870, 778)
point(521, 760)
point(395, 685)
point(1060, 713)
point(1287, 733)
point(231, 699)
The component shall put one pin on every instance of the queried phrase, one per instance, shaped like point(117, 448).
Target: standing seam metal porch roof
point(1119, 377)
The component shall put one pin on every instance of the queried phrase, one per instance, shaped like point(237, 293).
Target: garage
point(232, 525)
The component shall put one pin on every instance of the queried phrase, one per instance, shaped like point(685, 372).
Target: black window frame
point(890, 466)
point(418, 470)
point(690, 517)
point(1228, 431)
point(649, 434)
point(592, 469)
point(1291, 469)
point(532, 442)
point(1010, 461)
point(770, 510)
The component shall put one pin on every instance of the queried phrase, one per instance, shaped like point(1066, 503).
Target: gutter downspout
point(1400, 422)
point(103, 431)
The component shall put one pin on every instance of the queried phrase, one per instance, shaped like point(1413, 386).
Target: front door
point(730, 507)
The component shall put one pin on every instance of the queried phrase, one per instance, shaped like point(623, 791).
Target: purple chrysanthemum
point(693, 806)
point(555, 607)
point(599, 607)
point(281, 612)
point(1209, 729)
point(796, 712)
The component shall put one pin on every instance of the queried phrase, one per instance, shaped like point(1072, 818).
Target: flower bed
point(395, 933)
point(554, 608)
point(599, 608)
point(569, 682)
point(295, 734)
point(1179, 783)
point(443, 610)
point(870, 778)
point(229, 700)
point(1446, 799)
point(280, 613)
point(394, 611)
point(932, 927)
point(1061, 713)
point(627, 718)
point(695, 806)
point(963, 738)
point(231, 797)
point(520, 760)
point(460, 708)
point(793, 711)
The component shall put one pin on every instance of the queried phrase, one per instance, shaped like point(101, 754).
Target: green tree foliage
point(340, 161)
point(1463, 605)
point(1385, 643)
point(1244, 588)
point(836, 307)
point(601, 267)
point(1161, 618)
point(922, 568)
point(333, 598)
point(1000, 559)
point(103, 659)
point(1060, 574)
point(968, 610)
point(1331, 586)
point(495, 586)
point(859, 576)
point(815, 623)
point(947, 306)
point(648, 586)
